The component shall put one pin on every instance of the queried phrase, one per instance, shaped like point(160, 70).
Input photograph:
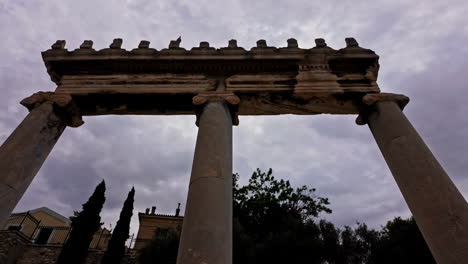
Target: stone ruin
point(217, 85)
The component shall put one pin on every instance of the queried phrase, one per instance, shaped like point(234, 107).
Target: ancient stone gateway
point(217, 85)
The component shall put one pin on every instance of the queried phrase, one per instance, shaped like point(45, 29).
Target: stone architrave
point(25, 150)
point(439, 209)
point(207, 229)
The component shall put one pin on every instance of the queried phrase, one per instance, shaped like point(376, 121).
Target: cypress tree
point(84, 225)
point(116, 248)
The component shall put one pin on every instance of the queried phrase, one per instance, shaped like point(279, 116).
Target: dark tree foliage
point(75, 214)
point(84, 225)
point(116, 247)
point(352, 248)
point(273, 222)
point(162, 248)
point(401, 241)
point(367, 242)
point(330, 236)
point(398, 242)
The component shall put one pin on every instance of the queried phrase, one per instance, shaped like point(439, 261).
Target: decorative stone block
point(261, 43)
point(320, 43)
point(232, 43)
point(144, 44)
point(351, 43)
point(204, 45)
point(116, 44)
point(292, 43)
point(87, 44)
point(59, 44)
point(175, 44)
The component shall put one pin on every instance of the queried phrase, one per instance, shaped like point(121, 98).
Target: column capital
point(63, 104)
point(230, 98)
point(369, 101)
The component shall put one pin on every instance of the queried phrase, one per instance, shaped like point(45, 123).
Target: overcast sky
point(423, 54)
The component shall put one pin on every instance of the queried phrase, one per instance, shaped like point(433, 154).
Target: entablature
point(173, 75)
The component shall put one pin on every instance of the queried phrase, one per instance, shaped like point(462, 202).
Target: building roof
point(160, 216)
point(46, 210)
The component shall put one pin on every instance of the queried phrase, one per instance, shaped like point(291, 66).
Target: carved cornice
point(231, 99)
point(63, 105)
point(269, 80)
point(203, 59)
point(369, 100)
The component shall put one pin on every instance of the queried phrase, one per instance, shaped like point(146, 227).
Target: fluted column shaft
point(207, 228)
point(439, 209)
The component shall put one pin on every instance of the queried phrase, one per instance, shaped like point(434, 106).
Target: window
point(43, 236)
point(14, 228)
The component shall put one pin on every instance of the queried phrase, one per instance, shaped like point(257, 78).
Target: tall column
point(438, 207)
point(25, 150)
point(207, 228)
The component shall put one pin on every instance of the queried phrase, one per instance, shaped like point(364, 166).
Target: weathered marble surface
point(309, 81)
point(440, 210)
point(207, 229)
point(25, 150)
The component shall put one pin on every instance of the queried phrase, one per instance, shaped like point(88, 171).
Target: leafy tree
point(264, 195)
point(162, 248)
point(368, 241)
point(401, 242)
point(274, 222)
point(116, 247)
point(330, 236)
point(84, 225)
point(352, 249)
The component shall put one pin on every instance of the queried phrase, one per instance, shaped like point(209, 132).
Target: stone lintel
point(64, 106)
point(231, 99)
point(268, 80)
point(265, 103)
point(369, 100)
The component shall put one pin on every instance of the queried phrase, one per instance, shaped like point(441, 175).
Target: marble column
point(207, 229)
point(25, 150)
point(439, 209)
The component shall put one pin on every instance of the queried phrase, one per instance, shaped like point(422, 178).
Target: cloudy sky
point(423, 49)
